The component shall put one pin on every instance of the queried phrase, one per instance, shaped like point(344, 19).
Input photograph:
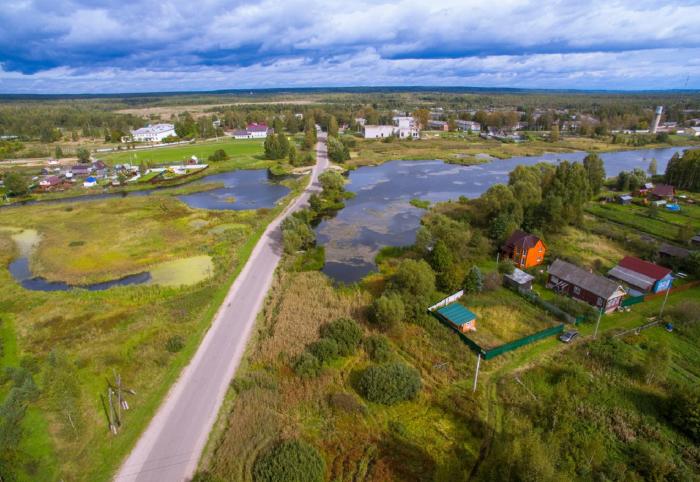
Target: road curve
point(170, 447)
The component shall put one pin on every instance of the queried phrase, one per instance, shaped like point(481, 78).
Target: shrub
point(492, 281)
point(175, 344)
point(683, 410)
point(307, 365)
point(218, 155)
point(346, 333)
point(388, 309)
point(346, 402)
point(474, 282)
point(389, 383)
point(378, 348)
point(325, 350)
point(290, 461)
point(506, 267)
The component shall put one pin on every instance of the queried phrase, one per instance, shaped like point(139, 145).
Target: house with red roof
point(642, 276)
point(524, 249)
point(663, 191)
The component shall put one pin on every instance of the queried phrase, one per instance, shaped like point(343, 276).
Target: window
point(554, 279)
point(599, 302)
point(577, 290)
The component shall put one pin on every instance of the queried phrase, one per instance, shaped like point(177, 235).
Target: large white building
point(404, 127)
point(153, 133)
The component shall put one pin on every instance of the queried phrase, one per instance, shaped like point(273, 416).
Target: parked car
point(568, 336)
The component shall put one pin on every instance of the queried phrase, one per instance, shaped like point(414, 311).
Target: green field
point(146, 333)
point(247, 154)
point(665, 225)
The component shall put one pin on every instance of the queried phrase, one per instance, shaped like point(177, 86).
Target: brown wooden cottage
point(570, 280)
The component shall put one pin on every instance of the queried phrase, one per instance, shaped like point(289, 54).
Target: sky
point(117, 46)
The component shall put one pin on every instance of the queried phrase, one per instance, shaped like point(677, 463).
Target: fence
point(555, 310)
point(506, 347)
point(633, 300)
point(450, 299)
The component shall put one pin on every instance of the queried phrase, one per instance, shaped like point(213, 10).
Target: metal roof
point(632, 278)
point(520, 276)
point(595, 284)
point(457, 314)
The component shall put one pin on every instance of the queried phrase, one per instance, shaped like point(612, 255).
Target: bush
point(389, 383)
point(506, 267)
point(218, 155)
point(683, 410)
point(474, 282)
point(307, 365)
point(325, 350)
point(378, 348)
point(492, 281)
point(290, 461)
point(346, 402)
point(175, 344)
point(346, 333)
point(388, 309)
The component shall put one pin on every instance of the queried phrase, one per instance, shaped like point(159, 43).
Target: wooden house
point(570, 280)
point(524, 249)
point(642, 276)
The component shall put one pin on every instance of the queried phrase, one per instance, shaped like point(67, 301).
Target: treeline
point(49, 122)
point(683, 172)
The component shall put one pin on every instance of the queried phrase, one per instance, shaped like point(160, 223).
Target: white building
point(693, 131)
point(257, 131)
point(361, 121)
point(465, 125)
point(378, 132)
point(404, 127)
point(153, 133)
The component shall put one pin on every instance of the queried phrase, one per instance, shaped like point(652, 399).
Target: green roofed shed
point(459, 316)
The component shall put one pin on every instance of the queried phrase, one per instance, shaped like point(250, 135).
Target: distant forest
point(46, 118)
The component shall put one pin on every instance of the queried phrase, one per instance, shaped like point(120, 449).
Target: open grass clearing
point(503, 316)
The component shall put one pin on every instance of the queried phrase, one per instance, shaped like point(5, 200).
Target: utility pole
point(600, 315)
point(476, 373)
point(663, 305)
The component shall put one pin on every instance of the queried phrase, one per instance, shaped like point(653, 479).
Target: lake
point(380, 214)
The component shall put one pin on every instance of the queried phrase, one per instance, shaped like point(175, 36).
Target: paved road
point(170, 448)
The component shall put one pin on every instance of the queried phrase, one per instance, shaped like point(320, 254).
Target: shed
point(670, 251)
point(519, 279)
point(459, 316)
point(625, 199)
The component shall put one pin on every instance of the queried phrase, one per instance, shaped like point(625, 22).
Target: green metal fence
point(514, 345)
point(505, 348)
point(632, 300)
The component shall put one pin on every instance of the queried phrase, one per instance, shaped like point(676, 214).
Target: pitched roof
point(521, 239)
point(663, 190)
point(631, 277)
point(520, 276)
point(256, 127)
point(457, 314)
point(593, 283)
point(675, 251)
point(653, 271)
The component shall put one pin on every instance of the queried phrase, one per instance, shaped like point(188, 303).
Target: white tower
point(657, 119)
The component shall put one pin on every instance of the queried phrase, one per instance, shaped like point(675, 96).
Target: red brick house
point(570, 280)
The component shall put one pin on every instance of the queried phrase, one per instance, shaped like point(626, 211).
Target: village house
point(663, 192)
point(81, 170)
point(570, 280)
point(465, 125)
point(670, 253)
point(153, 133)
point(641, 276)
point(438, 125)
point(524, 249)
point(49, 181)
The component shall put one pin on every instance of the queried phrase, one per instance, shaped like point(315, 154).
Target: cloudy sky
point(104, 46)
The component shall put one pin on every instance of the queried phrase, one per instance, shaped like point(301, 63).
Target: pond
point(380, 214)
point(243, 189)
point(179, 272)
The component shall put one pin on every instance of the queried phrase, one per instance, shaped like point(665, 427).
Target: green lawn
point(246, 153)
point(503, 316)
